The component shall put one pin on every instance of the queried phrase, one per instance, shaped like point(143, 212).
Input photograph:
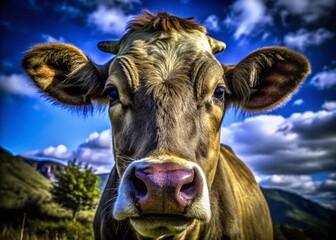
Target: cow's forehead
point(187, 39)
point(160, 56)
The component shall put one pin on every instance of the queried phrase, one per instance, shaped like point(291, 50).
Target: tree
point(76, 187)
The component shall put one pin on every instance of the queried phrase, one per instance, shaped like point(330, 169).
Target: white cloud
point(247, 17)
point(325, 79)
point(110, 20)
point(329, 105)
point(212, 23)
point(298, 102)
point(99, 140)
point(95, 157)
point(322, 191)
point(253, 132)
point(300, 144)
point(59, 152)
point(309, 11)
point(17, 84)
point(302, 182)
point(102, 169)
point(96, 151)
point(304, 38)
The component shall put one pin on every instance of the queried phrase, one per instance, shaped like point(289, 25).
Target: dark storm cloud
point(303, 23)
point(310, 127)
point(108, 16)
point(304, 38)
point(308, 11)
point(300, 144)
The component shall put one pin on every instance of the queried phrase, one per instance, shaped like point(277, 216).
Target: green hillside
point(20, 183)
point(288, 209)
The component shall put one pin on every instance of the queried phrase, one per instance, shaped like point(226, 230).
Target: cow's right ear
point(65, 74)
point(265, 79)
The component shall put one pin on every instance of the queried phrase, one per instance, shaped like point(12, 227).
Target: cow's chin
point(156, 226)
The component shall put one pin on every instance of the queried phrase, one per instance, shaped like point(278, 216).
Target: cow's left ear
point(265, 78)
point(65, 74)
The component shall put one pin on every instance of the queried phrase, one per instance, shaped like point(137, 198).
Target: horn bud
point(109, 46)
point(216, 45)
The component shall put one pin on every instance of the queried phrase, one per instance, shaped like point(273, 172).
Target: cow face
point(167, 95)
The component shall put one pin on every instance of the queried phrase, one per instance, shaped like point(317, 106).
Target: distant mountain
point(46, 167)
point(292, 209)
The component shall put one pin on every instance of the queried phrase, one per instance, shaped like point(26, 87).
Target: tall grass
point(48, 230)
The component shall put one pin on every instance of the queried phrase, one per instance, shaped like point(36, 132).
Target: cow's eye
point(113, 95)
point(219, 93)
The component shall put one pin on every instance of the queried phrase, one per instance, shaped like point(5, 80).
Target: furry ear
point(265, 78)
point(64, 73)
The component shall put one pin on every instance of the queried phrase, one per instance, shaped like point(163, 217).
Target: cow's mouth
point(158, 225)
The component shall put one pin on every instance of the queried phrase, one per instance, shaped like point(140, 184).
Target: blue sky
point(292, 147)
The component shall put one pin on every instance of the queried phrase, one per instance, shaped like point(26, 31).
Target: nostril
point(187, 188)
point(139, 186)
point(171, 184)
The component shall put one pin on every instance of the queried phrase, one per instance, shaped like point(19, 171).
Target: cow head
point(167, 95)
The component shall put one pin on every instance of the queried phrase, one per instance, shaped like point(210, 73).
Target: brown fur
point(60, 70)
point(163, 21)
point(166, 75)
point(277, 70)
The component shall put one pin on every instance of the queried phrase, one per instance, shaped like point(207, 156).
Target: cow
point(167, 94)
